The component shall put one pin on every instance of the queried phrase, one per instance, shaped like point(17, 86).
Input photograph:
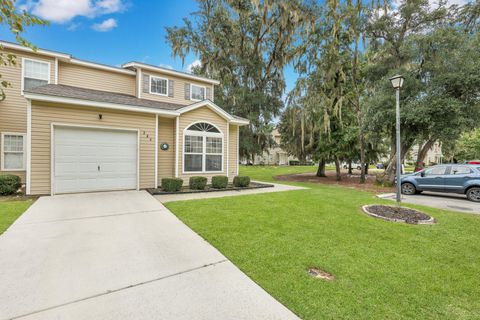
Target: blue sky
point(112, 31)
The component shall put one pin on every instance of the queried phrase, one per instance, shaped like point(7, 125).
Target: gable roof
point(125, 69)
point(145, 66)
point(112, 100)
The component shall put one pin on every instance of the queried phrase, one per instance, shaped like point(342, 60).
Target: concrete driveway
point(119, 255)
point(446, 201)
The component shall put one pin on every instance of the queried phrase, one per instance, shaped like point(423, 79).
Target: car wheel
point(408, 188)
point(473, 194)
point(359, 168)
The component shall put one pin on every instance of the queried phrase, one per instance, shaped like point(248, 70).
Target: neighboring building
point(68, 125)
point(275, 155)
point(434, 154)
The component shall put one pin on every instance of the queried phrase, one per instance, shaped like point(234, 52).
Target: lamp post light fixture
point(397, 83)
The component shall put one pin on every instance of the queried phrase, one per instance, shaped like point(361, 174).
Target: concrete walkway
point(446, 201)
point(220, 194)
point(119, 255)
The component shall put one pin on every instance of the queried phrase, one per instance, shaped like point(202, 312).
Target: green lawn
point(383, 270)
point(10, 210)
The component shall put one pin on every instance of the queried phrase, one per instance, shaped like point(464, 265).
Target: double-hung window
point(13, 151)
point(203, 148)
point(35, 73)
point(197, 92)
point(159, 86)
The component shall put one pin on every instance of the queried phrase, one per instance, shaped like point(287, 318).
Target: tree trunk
point(350, 167)
point(390, 170)
point(364, 167)
point(321, 169)
point(337, 169)
point(422, 153)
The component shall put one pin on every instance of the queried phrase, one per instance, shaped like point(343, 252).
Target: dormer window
point(35, 73)
point(197, 92)
point(159, 86)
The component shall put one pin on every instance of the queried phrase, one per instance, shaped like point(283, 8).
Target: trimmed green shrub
point(241, 181)
point(219, 182)
point(9, 184)
point(198, 183)
point(172, 184)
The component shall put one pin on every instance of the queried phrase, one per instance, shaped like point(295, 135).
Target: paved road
point(447, 201)
point(119, 255)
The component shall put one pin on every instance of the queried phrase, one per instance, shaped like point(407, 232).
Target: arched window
point(202, 148)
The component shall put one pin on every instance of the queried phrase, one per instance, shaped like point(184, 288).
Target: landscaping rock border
point(406, 215)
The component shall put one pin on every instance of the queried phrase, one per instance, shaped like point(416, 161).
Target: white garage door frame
point(54, 125)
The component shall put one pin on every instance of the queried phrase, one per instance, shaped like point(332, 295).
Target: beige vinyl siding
point(233, 152)
point(208, 115)
point(43, 114)
point(166, 158)
point(178, 89)
point(13, 110)
point(91, 78)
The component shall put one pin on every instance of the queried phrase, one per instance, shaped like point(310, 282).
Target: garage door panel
point(122, 166)
point(94, 159)
point(115, 183)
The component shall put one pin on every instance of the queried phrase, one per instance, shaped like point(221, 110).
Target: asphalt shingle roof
point(60, 90)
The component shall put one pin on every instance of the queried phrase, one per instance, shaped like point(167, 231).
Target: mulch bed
point(19, 197)
point(230, 187)
point(348, 180)
point(397, 214)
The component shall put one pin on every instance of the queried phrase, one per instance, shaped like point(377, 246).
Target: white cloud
point(61, 11)
point(106, 25)
point(196, 63)
point(110, 6)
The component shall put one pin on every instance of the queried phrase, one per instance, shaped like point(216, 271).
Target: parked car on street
point(451, 178)
point(354, 166)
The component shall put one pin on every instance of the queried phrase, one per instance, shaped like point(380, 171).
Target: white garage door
point(94, 160)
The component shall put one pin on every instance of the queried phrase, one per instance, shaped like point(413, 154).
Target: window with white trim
point(13, 151)
point(159, 86)
point(197, 92)
point(203, 148)
point(35, 73)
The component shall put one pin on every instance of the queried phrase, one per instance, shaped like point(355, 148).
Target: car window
point(435, 171)
point(460, 170)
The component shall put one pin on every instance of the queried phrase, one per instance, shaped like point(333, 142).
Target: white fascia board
point(240, 122)
point(14, 46)
point(101, 66)
point(214, 107)
point(170, 72)
point(106, 105)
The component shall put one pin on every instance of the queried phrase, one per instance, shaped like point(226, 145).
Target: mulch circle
point(396, 214)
